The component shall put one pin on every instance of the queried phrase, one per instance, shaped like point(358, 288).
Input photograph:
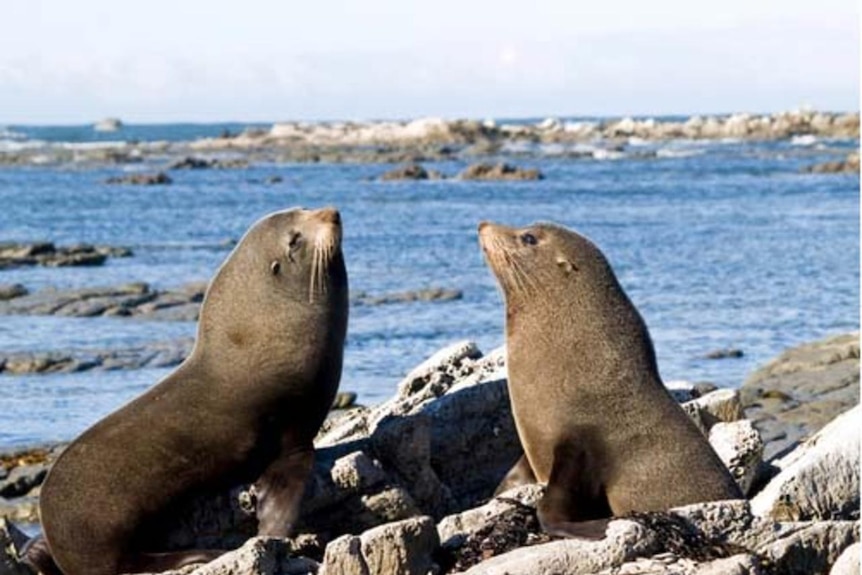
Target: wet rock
point(47, 254)
point(730, 352)
point(849, 165)
point(820, 478)
point(411, 172)
point(804, 388)
point(499, 172)
point(434, 294)
point(197, 163)
point(158, 178)
point(9, 291)
point(151, 355)
point(22, 479)
point(272, 180)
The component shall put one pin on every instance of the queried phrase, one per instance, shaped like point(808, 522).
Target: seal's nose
point(328, 215)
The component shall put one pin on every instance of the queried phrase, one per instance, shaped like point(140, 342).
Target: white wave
point(603, 154)
point(677, 153)
point(806, 140)
point(19, 146)
point(7, 134)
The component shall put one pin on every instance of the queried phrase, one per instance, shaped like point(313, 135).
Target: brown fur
point(243, 407)
point(595, 421)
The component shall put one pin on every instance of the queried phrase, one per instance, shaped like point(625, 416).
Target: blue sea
point(719, 244)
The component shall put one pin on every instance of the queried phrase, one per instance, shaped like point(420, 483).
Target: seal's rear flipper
point(37, 556)
point(575, 504)
point(279, 492)
point(520, 474)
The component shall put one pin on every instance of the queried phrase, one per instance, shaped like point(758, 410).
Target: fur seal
point(595, 420)
point(244, 407)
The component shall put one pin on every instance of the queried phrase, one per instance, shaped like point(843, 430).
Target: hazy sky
point(77, 61)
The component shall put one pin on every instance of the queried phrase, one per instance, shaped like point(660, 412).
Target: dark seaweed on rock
point(517, 527)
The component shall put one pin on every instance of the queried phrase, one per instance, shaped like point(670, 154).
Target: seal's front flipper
point(574, 503)
point(36, 555)
point(520, 474)
point(279, 492)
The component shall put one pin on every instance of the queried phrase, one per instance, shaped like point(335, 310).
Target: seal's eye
point(528, 239)
point(275, 267)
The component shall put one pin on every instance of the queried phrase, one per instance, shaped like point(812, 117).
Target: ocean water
point(722, 244)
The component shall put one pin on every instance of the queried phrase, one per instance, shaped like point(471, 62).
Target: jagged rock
point(721, 405)
point(625, 540)
point(454, 529)
point(739, 446)
point(811, 549)
point(820, 478)
point(848, 561)
point(258, 556)
point(403, 548)
point(499, 172)
point(803, 389)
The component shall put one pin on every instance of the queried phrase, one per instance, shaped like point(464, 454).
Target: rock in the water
point(108, 125)
point(158, 178)
point(403, 548)
point(849, 165)
point(820, 478)
point(10, 291)
point(411, 172)
point(802, 390)
point(424, 295)
point(500, 172)
point(730, 352)
point(47, 254)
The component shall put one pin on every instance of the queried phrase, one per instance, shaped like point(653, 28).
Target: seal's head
point(285, 274)
point(551, 275)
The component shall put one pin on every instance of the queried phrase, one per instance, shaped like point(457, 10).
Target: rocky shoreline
point(405, 486)
point(427, 140)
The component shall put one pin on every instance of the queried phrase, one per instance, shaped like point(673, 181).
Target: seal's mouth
point(498, 245)
point(325, 243)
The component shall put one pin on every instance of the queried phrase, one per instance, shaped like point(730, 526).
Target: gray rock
point(411, 172)
point(434, 294)
point(721, 405)
point(803, 389)
point(22, 479)
point(848, 562)
point(814, 548)
point(258, 556)
point(739, 446)
point(141, 179)
point(500, 172)
point(455, 528)
point(624, 541)
point(12, 540)
point(9, 291)
point(820, 478)
point(402, 548)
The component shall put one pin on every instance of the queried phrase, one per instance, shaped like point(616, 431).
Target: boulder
point(411, 172)
point(820, 478)
point(804, 388)
point(849, 165)
point(739, 446)
point(404, 548)
point(848, 561)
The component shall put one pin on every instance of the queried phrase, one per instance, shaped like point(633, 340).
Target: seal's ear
point(565, 265)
